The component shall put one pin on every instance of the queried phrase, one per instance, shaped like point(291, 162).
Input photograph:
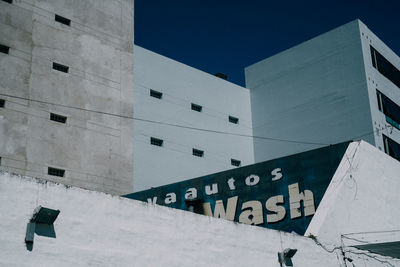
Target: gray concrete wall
point(94, 148)
point(314, 92)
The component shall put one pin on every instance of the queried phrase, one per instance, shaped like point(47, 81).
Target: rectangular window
point(197, 152)
point(233, 120)
point(2, 103)
point(156, 94)
point(4, 49)
point(62, 20)
point(389, 108)
point(386, 68)
point(391, 147)
point(235, 162)
point(156, 142)
point(58, 118)
point(55, 172)
point(196, 107)
point(8, 1)
point(60, 67)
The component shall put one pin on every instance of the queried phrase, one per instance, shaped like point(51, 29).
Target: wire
point(168, 124)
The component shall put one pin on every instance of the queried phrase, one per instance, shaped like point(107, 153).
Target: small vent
point(155, 94)
point(60, 67)
point(197, 108)
point(55, 172)
point(233, 120)
point(197, 152)
point(7, 1)
point(58, 118)
point(221, 75)
point(235, 162)
point(4, 49)
point(156, 142)
point(2, 103)
point(62, 20)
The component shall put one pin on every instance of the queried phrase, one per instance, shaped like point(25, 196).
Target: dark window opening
point(156, 142)
point(197, 108)
point(60, 67)
point(62, 20)
point(391, 147)
point(235, 162)
point(156, 94)
point(197, 152)
point(4, 49)
point(58, 118)
point(55, 172)
point(390, 109)
point(221, 75)
point(2, 103)
point(7, 1)
point(233, 120)
point(386, 68)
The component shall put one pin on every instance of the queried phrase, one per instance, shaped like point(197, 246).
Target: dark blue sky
point(228, 35)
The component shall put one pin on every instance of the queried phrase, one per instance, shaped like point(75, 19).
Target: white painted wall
point(360, 202)
point(182, 85)
point(314, 92)
point(98, 229)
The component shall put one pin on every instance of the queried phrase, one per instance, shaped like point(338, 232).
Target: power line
point(169, 124)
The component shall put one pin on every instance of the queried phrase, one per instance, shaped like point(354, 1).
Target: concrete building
point(66, 91)
point(126, 232)
point(172, 102)
point(342, 85)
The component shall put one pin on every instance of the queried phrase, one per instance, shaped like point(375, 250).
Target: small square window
point(235, 162)
point(2, 103)
point(60, 67)
point(58, 118)
point(156, 94)
point(55, 172)
point(233, 120)
point(7, 1)
point(4, 49)
point(62, 20)
point(156, 142)
point(197, 152)
point(196, 107)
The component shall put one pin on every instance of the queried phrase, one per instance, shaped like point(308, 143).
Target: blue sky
point(226, 36)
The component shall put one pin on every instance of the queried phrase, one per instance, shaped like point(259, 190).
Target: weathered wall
point(182, 85)
point(314, 92)
point(95, 149)
point(361, 200)
point(98, 229)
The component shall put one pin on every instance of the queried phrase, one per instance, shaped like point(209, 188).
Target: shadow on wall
point(41, 224)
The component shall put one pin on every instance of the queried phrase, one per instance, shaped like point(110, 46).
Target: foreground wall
point(94, 228)
point(360, 204)
point(93, 148)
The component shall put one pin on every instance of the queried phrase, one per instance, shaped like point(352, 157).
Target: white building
point(324, 91)
point(172, 102)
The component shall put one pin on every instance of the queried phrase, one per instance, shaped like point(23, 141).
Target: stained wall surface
point(94, 146)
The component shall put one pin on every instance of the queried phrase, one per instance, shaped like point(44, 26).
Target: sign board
point(280, 194)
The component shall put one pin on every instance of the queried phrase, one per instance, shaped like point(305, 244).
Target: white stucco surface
point(97, 229)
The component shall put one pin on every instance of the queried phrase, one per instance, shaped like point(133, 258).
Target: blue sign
point(280, 194)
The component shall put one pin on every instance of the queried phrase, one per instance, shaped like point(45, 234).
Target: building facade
point(342, 85)
point(188, 123)
point(66, 91)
